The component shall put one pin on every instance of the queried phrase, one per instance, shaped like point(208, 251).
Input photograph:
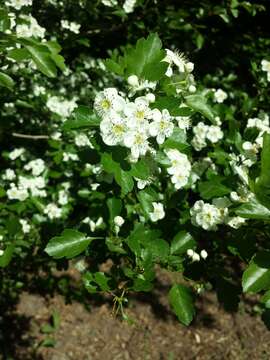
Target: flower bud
point(204, 254)
point(119, 221)
point(133, 80)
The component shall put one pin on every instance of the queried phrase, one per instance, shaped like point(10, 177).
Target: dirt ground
point(94, 334)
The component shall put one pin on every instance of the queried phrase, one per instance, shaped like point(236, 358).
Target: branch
point(32, 137)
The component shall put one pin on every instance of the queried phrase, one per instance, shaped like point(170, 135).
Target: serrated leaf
point(199, 104)
point(253, 210)
point(257, 276)
point(7, 256)
point(145, 59)
point(42, 58)
point(6, 81)
point(181, 301)
point(213, 188)
point(182, 242)
point(115, 207)
point(82, 117)
point(69, 244)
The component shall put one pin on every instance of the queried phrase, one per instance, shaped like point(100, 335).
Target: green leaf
point(181, 301)
point(145, 60)
point(6, 81)
point(95, 282)
point(146, 198)
point(266, 299)
point(257, 276)
point(182, 242)
point(18, 55)
point(69, 244)
point(199, 104)
point(7, 256)
point(253, 210)
point(262, 185)
point(115, 207)
point(213, 188)
point(82, 117)
point(122, 177)
point(42, 58)
point(172, 104)
point(177, 140)
point(141, 169)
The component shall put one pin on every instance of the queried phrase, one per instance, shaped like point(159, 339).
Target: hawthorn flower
point(108, 100)
point(214, 133)
point(9, 175)
point(113, 129)
point(162, 126)
point(179, 60)
point(82, 140)
point(15, 193)
point(205, 215)
point(18, 4)
point(16, 153)
point(266, 67)
point(220, 96)
point(204, 254)
point(184, 122)
point(138, 113)
point(137, 141)
point(119, 221)
point(37, 166)
point(25, 226)
point(236, 222)
point(71, 26)
point(53, 211)
point(158, 212)
point(179, 163)
point(30, 29)
point(129, 6)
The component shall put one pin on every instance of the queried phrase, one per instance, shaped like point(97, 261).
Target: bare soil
point(94, 334)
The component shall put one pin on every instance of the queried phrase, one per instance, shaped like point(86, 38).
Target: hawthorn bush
point(137, 134)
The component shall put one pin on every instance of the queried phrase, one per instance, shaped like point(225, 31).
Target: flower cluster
point(131, 123)
point(180, 168)
point(29, 28)
point(203, 132)
point(61, 107)
point(18, 4)
point(266, 67)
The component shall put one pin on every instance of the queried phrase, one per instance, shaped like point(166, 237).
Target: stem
point(32, 137)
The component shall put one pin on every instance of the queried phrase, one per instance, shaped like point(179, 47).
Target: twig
point(32, 137)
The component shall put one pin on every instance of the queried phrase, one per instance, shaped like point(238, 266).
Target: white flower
point(36, 166)
point(113, 129)
point(236, 222)
point(9, 175)
point(158, 212)
point(177, 59)
point(31, 29)
point(205, 215)
point(82, 140)
point(133, 80)
point(190, 253)
point(179, 163)
point(119, 221)
point(1, 252)
point(192, 88)
point(18, 4)
point(204, 254)
point(53, 211)
point(214, 133)
point(137, 141)
point(138, 113)
point(63, 197)
point(184, 122)
point(13, 155)
point(61, 107)
point(220, 96)
point(196, 257)
point(71, 26)
point(266, 67)
point(15, 193)
point(129, 6)
point(162, 126)
point(150, 97)
point(108, 100)
point(25, 226)
point(179, 180)
point(141, 184)
point(110, 3)
point(201, 130)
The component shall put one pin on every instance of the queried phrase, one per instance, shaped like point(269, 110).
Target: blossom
point(108, 100)
point(266, 67)
point(109, 2)
point(82, 140)
point(25, 226)
point(60, 106)
point(179, 60)
point(205, 215)
point(137, 113)
point(9, 175)
point(204, 254)
point(13, 155)
point(137, 141)
point(118, 220)
point(37, 166)
point(129, 6)
point(162, 126)
point(18, 4)
point(236, 222)
point(184, 122)
point(53, 211)
point(220, 96)
point(63, 197)
point(30, 29)
point(113, 129)
point(158, 212)
point(15, 193)
point(214, 133)
point(71, 26)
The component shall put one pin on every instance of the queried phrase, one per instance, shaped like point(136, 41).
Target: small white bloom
point(37, 166)
point(205, 215)
point(118, 220)
point(9, 175)
point(53, 211)
point(18, 4)
point(150, 97)
point(133, 80)
point(16, 153)
point(113, 129)
point(190, 253)
point(236, 222)
point(71, 26)
point(25, 226)
point(162, 126)
point(196, 257)
point(158, 212)
point(214, 134)
point(220, 96)
point(204, 254)
point(129, 6)
point(82, 140)
point(108, 100)
point(192, 88)
point(137, 141)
